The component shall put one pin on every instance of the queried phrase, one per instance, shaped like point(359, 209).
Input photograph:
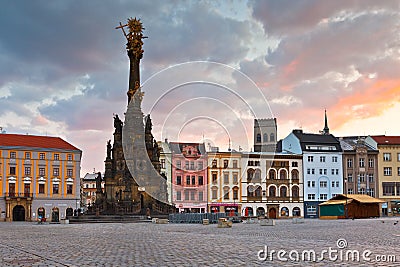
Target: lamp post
point(345, 188)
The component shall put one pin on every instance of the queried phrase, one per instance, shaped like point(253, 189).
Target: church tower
point(325, 131)
point(265, 135)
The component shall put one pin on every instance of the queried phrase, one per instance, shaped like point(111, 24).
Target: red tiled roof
point(35, 141)
point(386, 140)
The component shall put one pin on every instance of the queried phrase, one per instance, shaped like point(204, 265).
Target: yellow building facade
point(388, 172)
point(39, 178)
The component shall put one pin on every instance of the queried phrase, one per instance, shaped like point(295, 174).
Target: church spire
point(326, 128)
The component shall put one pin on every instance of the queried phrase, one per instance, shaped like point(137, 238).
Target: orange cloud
point(374, 100)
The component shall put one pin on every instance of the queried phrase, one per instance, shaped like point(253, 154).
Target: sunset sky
point(209, 68)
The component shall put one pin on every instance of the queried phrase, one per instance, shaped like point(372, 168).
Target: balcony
point(18, 195)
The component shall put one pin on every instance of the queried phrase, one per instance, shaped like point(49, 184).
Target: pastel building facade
point(272, 185)
point(388, 172)
point(189, 176)
point(39, 177)
point(224, 182)
point(322, 165)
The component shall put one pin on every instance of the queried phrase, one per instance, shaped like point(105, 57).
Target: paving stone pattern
point(146, 244)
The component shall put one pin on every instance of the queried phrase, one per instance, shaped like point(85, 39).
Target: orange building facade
point(39, 178)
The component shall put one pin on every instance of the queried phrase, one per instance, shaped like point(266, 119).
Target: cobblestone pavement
point(146, 244)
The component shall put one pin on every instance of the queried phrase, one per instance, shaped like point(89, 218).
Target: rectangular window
point(69, 172)
point(214, 163)
point(214, 194)
point(200, 165)
point(320, 171)
point(322, 159)
point(295, 164)
point(325, 171)
point(226, 194)
point(398, 171)
point(235, 178)
point(200, 196)
point(388, 189)
point(311, 210)
point(333, 171)
point(235, 163)
point(397, 189)
point(311, 196)
point(13, 155)
point(350, 177)
point(308, 183)
point(371, 192)
point(214, 177)
point(312, 183)
point(12, 170)
point(27, 155)
point(334, 159)
point(235, 194)
point(387, 156)
point(310, 158)
point(362, 178)
point(41, 188)
point(42, 156)
point(308, 171)
point(333, 183)
point(27, 171)
point(187, 179)
point(371, 163)
point(193, 180)
point(337, 171)
point(323, 196)
point(323, 184)
point(387, 171)
point(186, 165)
point(225, 163)
point(69, 157)
point(56, 171)
point(178, 195)
point(398, 156)
point(371, 178)
point(55, 189)
point(192, 165)
point(226, 178)
point(178, 164)
point(256, 163)
point(56, 156)
point(361, 162)
point(312, 171)
point(186, 195)
point(349, 163)
point(192, 195)
point(337, 183)
point(178, 180)
point(350, 191)
point(69, 189)
point(42, 172)
point(201, 181)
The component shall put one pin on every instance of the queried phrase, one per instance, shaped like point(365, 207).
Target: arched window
point(250, 175)
point(257, 176)
point(295, 175)
point(296, 211)
point(295, 191)
point(214, 193)
point(272, 137)
point(271, 174)
point(272, 191)
point(284, 212)
point(226, 192)
point(265, 138)
point(282, 175)
point(235, 193)
point(258, 138)
point(250, 191)
point(283, 191)
point(257, 192)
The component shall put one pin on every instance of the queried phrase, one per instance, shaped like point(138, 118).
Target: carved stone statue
point(98, 183)
point(117, 124)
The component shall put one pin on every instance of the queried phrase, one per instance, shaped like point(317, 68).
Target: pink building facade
point(189, 177)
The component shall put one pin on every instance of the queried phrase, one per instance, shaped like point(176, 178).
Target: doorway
point(19, 213)
point(272, 213)
point(55, 215)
